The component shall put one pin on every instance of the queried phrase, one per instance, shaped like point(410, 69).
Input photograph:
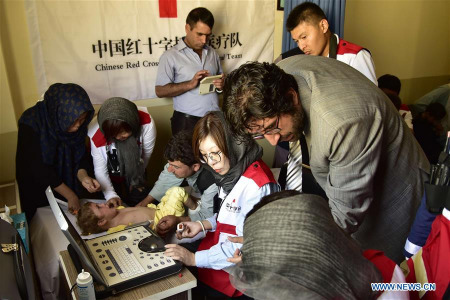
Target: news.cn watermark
point(403, 287)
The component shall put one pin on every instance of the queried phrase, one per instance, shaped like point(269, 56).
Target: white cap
point(84, 277)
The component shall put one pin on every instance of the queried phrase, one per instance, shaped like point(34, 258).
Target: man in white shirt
point(309, 28)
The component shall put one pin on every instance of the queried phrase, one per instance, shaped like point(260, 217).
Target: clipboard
point(207, 86)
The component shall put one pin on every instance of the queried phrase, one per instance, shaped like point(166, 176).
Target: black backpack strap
point(332, 53)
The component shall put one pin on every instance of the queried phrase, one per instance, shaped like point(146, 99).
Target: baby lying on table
point(95, 218)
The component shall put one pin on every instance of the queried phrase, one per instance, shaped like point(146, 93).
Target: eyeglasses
point(270, 130)
point(213, 156)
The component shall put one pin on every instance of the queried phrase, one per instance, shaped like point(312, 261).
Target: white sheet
point(47, 241)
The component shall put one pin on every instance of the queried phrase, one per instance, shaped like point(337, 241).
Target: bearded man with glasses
point(360, 152)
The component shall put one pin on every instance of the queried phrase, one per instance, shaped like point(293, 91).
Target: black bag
point(437, 196)
point(17, 277)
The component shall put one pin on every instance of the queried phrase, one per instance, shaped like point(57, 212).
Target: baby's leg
point(191, 202)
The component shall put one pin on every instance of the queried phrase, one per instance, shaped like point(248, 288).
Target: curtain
point(333, 9)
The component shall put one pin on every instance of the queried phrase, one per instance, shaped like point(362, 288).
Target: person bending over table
point(51, 148)
point(359, 151)
point(243, 179)
point(122, 141)
point(303, 251)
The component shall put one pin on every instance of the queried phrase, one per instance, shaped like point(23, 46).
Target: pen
point(438, 175)
point(432, 173)
point(447, 144)
point(444, 175)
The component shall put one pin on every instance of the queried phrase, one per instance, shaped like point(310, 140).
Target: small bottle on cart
point(85, 286)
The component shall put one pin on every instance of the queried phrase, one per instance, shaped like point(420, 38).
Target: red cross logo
point(167, 8)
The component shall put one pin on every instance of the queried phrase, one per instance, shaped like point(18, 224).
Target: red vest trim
point(347, 47)
point(260, 173)
point(144, 117)
point(99, 139)
point(435, 256)
point(404, 107)
point(226, 228)
point(385, 265)
point(217, 279)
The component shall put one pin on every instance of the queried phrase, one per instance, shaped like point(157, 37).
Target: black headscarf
point(240, 153)
point(50, 119)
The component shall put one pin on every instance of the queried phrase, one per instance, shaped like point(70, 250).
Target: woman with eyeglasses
point(243, 179)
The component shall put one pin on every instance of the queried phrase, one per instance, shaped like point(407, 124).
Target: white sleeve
point(363, 62)
point(148, 140)
point(408, 119)
point(216, 256)
point(250, 201)
point(101, 172)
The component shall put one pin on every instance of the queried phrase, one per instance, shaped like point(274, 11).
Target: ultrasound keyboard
point(118, 257)
point(125, 262)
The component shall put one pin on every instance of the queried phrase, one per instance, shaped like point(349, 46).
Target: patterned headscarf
point(50, 119)
point(293, 249)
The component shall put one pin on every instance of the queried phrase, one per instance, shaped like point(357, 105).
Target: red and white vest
point(255, 176)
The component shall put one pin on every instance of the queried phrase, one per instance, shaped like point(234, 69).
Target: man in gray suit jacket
point(361, 152)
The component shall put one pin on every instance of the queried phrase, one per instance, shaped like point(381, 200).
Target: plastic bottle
point(85, 286)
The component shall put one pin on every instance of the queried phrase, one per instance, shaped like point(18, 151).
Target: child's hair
point(87, 220)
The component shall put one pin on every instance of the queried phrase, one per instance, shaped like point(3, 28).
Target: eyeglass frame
point(267, 131)
point(208, 156)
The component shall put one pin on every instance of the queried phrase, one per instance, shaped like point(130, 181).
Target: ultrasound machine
point(121, 260)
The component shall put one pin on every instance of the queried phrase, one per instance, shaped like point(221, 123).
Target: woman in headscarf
point(51, 148)
point(243, 179)
point(122, 141)
point(293, 249)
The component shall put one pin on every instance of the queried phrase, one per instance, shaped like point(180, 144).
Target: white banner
point(112, 48)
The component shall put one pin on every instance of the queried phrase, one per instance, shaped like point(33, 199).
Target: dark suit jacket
point(361, 152)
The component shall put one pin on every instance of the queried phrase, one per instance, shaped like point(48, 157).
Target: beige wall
point(7, 117)
point(17, 81)
point(15, 43)
point(278, 34)
point(408, 38)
